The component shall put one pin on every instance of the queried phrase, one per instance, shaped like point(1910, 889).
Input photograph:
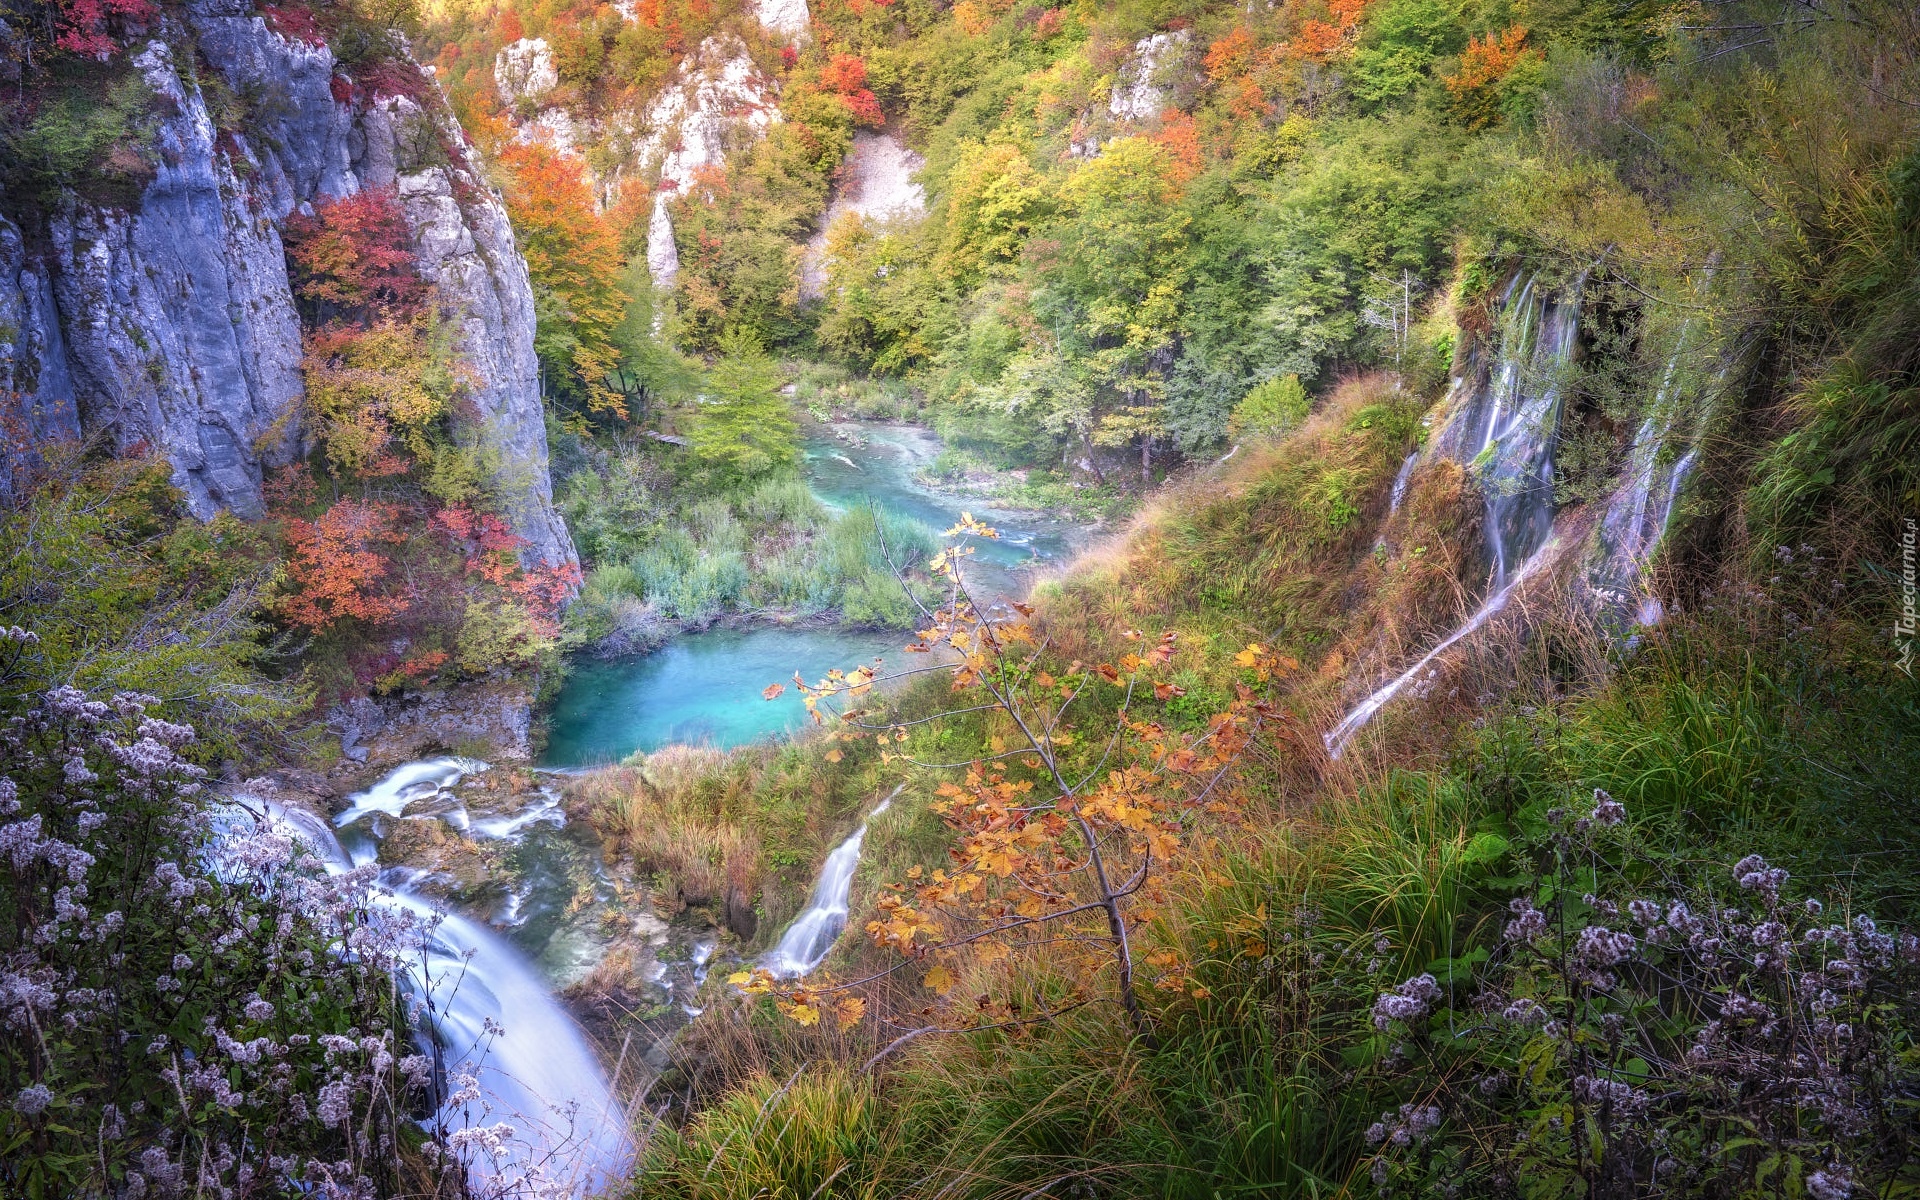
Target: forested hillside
point(1416, 695)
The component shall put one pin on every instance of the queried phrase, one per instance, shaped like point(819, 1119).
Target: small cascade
point(539, 1076)
point(1400, 483)
point(1399, 493)
point(1342, 733)
point(1503, 423)
point(407, 785)
point(808, 940)
point(1508, 428)
point(1641, 507)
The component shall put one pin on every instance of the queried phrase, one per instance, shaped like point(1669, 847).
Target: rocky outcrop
point(492, 718)
point(1140, 93)
point(876, 184)
point(787, 17)
point(179, 322)
point(718, 101)
point(172, 326)
point(465, 247)
point(526, 79)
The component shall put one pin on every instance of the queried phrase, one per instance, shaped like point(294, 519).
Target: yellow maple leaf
point(804, 1014)
point(848, 1010)
point(939, 980)
point(834, 756)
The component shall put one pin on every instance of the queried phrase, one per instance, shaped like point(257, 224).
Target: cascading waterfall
point(1505, 428)
point(1641, 507)
point(810, 938)
point(539, 1075)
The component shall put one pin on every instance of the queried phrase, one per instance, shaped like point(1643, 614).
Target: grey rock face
point(179, 322)
point(297, 133)
point(36, 389)
point(176, 328)
point(466, 249)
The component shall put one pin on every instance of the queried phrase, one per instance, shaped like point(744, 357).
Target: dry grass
point(669, 815)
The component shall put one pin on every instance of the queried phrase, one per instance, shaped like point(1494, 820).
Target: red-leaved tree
point(845, 75)
point(84, 25)
point(336, 565)
point(355, 256)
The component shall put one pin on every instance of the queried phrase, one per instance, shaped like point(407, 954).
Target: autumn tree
point(1063, 832)
point(845, 75)
point(995, 200)
point(353, 259)
point(337, 567)
point(1492, 70)
point(574, 259)
point(365, 388)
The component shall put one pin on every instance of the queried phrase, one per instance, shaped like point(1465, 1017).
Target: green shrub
point(1272, 409)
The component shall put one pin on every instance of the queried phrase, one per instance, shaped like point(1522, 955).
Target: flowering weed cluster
point(189, 1009)
point(1702, 1033)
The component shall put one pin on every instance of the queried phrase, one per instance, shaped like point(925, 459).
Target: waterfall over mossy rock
point(1502, 422)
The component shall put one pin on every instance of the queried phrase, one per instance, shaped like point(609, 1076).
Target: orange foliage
point(1347, 12)
point(1484, 64)
point(1488, 60)
point(1181, 138)
point(510, 28)
point(1318, 39)
point(1041, 856)
point(971, 18)
point(1246, 101)
point(1230, 56)
point(491, 552)
point(630, 212)
point(574, 252)
point(845, 75)
point(335, 562)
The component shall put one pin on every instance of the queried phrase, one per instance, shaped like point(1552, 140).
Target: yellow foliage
point(366, 387)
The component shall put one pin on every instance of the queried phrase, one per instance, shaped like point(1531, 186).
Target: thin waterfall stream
point(808, 941)
point(1505, 429)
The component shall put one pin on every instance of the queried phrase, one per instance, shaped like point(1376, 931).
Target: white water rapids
point(538, 1075)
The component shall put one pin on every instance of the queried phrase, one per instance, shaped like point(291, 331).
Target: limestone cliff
point(172, 325)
